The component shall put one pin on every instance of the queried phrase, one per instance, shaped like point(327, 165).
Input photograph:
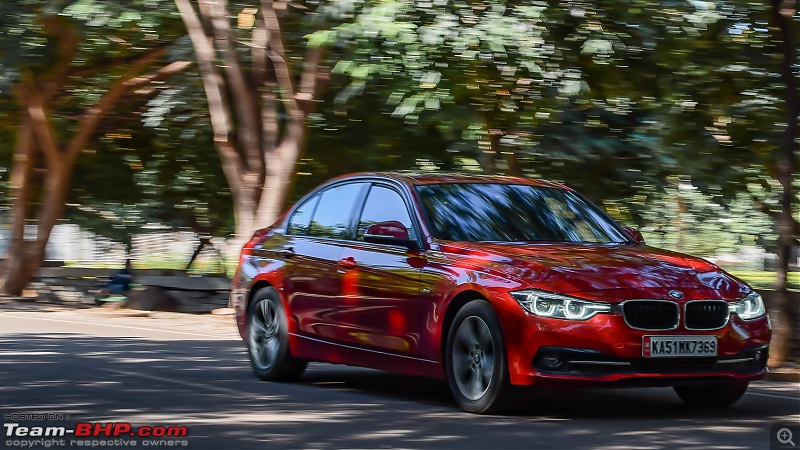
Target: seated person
point(121, 280)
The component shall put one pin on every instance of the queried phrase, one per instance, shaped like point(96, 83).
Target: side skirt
point(315, 349)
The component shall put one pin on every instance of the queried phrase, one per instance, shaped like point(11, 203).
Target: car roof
point(420, 178)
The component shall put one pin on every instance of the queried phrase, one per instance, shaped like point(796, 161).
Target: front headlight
point(750, 307)
point(548, 304)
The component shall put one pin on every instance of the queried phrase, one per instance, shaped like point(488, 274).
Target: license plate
point(670, 346)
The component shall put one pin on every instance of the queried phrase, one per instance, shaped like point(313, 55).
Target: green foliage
point(34, 30)
point(490, 64)
point(767, 280)
point(617, 99)
point(612, 98)
point(724, 103)
point(686, 220)
point(152, 160)
point(165, 170)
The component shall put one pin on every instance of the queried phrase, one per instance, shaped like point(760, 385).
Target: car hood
point(636, 269)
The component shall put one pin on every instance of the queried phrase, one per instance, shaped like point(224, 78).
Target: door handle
point(286, 252)
point(348, 263)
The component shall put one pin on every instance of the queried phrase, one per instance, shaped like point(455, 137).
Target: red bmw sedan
point(490, 283)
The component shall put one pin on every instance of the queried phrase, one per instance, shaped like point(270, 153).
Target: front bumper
point(605, 351)
point(562, 365)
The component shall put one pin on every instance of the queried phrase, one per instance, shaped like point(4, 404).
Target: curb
point(222, 312)
point(784, 374)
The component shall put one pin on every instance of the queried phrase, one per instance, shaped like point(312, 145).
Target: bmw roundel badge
point(677, 295)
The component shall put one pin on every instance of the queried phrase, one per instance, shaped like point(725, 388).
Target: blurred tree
point(68, 64)
point(685, 219)
point(627, 93)
point(784, 23)
point(154, 162)
point(362, 136)
point(731, 109)
point(259, 96)
point(492, 68)
point(543, 89)
point(190, 190)
point(719, 82)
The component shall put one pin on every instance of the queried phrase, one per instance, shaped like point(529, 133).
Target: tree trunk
point(26, 256)
point(37, 142)
point(251, 216)
point(258, 150)
point(782, 13)
point(19, 192)
point(17, 275)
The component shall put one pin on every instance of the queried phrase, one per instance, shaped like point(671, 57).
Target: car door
point(313, 245)
point(381, 304)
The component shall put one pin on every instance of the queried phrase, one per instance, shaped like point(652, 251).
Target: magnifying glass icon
point(785, 436)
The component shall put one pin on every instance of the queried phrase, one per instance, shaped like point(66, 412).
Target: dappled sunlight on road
point(192, 370)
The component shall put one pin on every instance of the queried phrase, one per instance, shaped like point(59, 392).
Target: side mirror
point(635, 234)
point(390, 232)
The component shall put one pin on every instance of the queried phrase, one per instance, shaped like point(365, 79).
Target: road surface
point(177, 369)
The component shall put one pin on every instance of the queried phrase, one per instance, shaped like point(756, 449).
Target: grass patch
point(202, 266)
point(757, 279)
point(766, 280)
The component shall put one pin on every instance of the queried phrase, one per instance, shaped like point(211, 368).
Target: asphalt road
point(174, 369)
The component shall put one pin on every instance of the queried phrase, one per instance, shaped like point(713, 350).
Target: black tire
point(716, 395)
point(475, 360)
point(268, 339)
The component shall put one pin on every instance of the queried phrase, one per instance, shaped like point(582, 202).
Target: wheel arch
point(456, 303)
point(275, 283)
point(257, 286)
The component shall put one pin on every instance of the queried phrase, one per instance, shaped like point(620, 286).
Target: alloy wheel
point(264, 334)
point(473, 358)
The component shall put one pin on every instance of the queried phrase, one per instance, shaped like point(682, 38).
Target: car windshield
point(514, 213)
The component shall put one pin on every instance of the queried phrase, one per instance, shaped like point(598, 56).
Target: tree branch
point(310, 78)
point(20, 181)
point(258, 51)
point(40, 123)
point(163, 73)
point(58, 27)
point(277, 55)
point(244, 102)
point(92, 117)
point(38, 94)
point(106, 63)
point(213, 84)
point(294, 138)
point(774, 215)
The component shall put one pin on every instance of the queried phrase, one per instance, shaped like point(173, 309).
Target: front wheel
point(268, 339)
point(715, 395)
point(475, 360)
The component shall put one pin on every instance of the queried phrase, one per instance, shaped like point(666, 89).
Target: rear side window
point(334, 211)
point(301, 218)
point(383, 204)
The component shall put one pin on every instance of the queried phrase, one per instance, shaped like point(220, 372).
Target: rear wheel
point(475, 360)
point(268, 339)
point(716, 395)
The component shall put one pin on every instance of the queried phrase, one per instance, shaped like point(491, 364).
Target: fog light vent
point(551, 361)
point(760, 357)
